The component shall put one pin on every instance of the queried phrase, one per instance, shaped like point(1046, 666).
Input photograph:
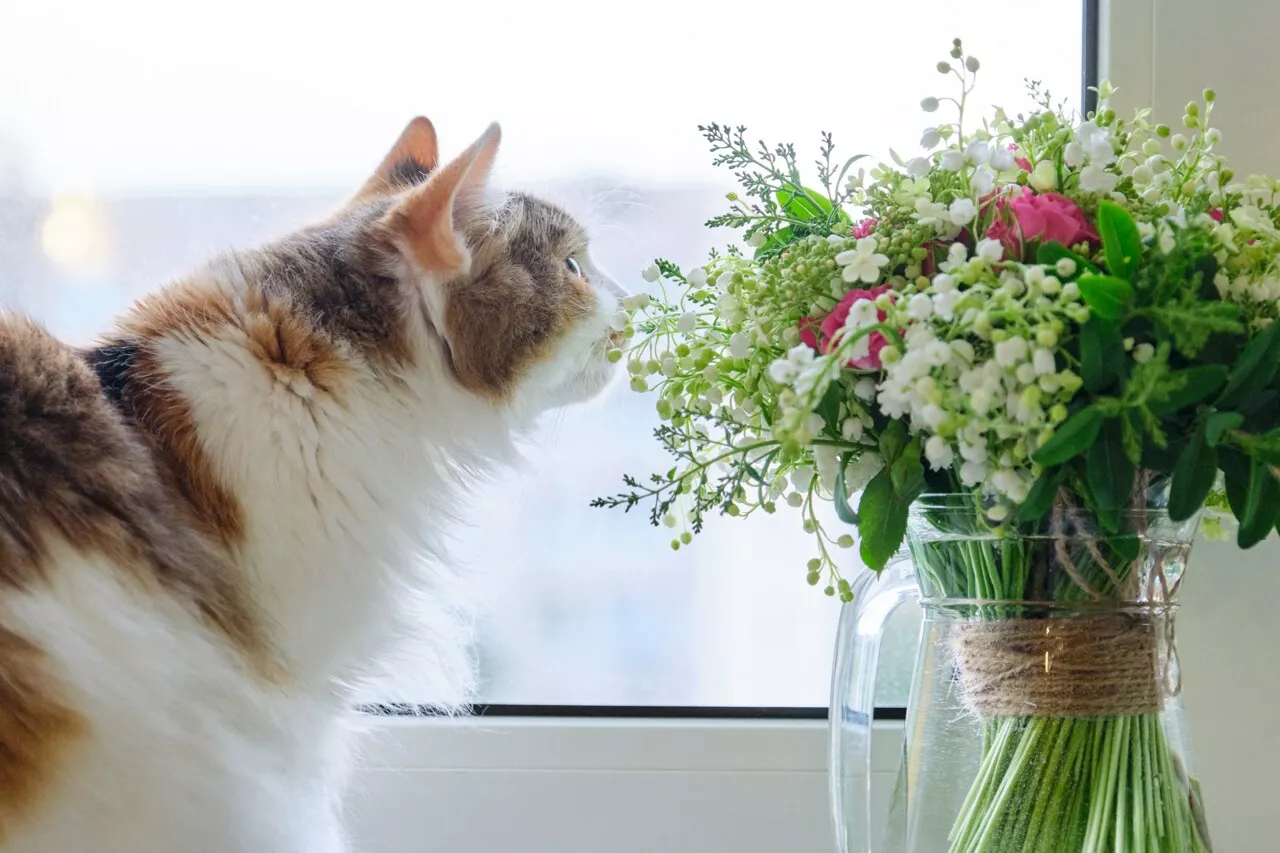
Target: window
point(143, 138)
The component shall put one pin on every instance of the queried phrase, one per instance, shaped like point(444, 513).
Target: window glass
point(139, 136)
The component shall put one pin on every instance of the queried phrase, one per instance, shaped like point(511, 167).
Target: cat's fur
point(208, 525)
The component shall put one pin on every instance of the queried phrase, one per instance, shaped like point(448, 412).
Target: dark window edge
point(617, 712)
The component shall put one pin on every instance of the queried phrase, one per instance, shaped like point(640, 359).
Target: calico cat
point(209, 523)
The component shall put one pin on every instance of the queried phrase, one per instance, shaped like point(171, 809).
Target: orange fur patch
point(36, 730)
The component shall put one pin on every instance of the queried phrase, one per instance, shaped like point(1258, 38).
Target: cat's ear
point(413, 157)
point(425, 223)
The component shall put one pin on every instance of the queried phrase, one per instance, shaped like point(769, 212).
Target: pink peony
point(864, 228)
point(1044, 217)
point(809, 329)
point(834, 322)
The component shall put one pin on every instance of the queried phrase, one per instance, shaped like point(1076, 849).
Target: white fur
point(346, 502)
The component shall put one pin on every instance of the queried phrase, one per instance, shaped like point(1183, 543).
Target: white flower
point(952, 160)
point(920, 307)
point(962, 348)
point(956, 257)
point(1001, 159)
point(757, 240)
point(1095, 179)
point(739, 345)
point(801, 478)
point(865, 389)
point(714, 396)
point(1073, 155)
point(724, 279)
point(929, 105)
point(930, 139)
point(972, 473)
point(863, 312)
point(669, 366)
point(1249, 218)
point(983, 180)
point(1044, 362)
point(1143, 353)
point(932, 415)
point(1026, 373)
point(1044, 177)
point(918, 167)
point(852, 429)
point(944, 304)
point(687, 323)
point(977, 152)
point(1065, 267)
point(980, 401)
point(698, 276)
point(1143, 175)
point(795, 499)
point(1011, 352)
point(827, 461)
point(963, 211)
point(650, 272)
point(619, 321)
point(862, 263)
point(971, 63)
point(938, 452)
point(1100, 150)
point(989, 250)
point(861, 470)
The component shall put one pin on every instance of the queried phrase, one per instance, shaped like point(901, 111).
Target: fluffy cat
point(208, 524)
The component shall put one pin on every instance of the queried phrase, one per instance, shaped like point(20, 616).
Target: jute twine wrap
point(1070, 666)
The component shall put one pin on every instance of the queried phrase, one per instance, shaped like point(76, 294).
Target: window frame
point(1092, 32)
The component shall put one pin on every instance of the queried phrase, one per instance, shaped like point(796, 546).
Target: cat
point(210, 523)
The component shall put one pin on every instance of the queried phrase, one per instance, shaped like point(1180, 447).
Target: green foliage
point(1107, 296)
point(1120, 239)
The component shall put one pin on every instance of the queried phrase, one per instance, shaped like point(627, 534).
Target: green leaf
point(907, 471)
point(1101, 353)
point(1109, 468)
point(1107, 296)
point(1181, 388)
point(829, 408)
point(1262, 505)
point(777, 241)
point(1120, 239)
point(804, 207)
point(1071, 439)
point(1218, 423)
point(892, 439)
point(1254, 369)
point(841, 497)
point(1050, 253)
point(1235, 470)
point(883, 524)
point(1193, 477)
point(1040, 498)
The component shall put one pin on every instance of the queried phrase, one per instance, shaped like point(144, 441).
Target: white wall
point(1163, 53)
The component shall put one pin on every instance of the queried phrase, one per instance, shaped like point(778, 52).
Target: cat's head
point(503, 283)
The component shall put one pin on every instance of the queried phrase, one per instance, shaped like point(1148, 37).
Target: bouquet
point(1046, 315)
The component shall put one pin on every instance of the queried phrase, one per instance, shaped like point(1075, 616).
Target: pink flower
point(834, 322)
point(809, 329)
point(1216, 213)
point(864, 228)
point(1023, 163)
point(1043, 217)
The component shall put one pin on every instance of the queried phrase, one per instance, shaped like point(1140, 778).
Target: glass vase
point(1045, 712)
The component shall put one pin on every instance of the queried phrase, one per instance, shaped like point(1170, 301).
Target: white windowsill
point(590, 785)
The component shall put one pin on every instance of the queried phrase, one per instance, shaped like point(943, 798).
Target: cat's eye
point(572, 264)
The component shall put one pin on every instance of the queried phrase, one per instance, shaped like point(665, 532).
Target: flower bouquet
point(1062, 323)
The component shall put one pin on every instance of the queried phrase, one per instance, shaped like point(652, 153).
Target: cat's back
point(130, 687)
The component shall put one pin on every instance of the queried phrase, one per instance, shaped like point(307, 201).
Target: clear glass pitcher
point(1045, 710)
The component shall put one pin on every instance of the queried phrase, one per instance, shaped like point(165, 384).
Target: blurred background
point(138, 137)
